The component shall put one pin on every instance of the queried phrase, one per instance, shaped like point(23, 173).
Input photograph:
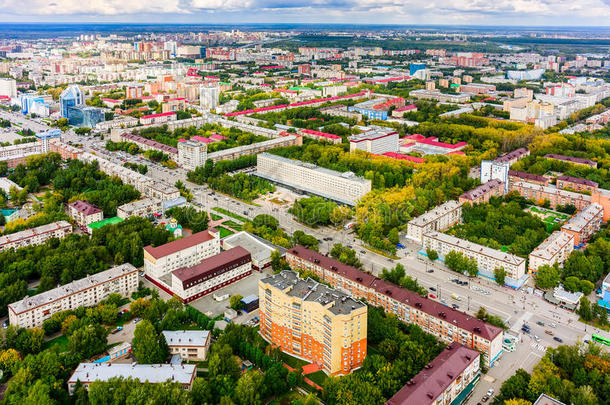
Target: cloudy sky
point(469, 12)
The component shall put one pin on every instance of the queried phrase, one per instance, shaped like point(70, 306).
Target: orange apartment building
point(576, 184)
point(312, 321)
point(447, 324)
point(555, 196)
point(585, 223)
point(482, 193)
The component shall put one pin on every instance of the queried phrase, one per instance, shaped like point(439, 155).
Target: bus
point(601, 339)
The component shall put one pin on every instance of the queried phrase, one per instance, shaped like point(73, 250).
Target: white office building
point(31, 312)
point(345, 188)
point(190, 345)
point(376, 141)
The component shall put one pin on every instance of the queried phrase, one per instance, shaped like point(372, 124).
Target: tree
point(500, 275)
point(88, 340)
point(547, 277)
point(250, 388)
point(516, 386)
point(432, 254)
point(584, 310)
point(147, 346)
point(223, 363)
point(394, 275)
point(235, 302)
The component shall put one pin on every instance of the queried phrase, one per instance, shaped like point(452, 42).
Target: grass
point(288, 398)
point(382, 253)
point(233, 225)
point(224, 232)
point(215, 217)
point(319, 377)
point(61, 342)
point(292, 361)
point(230, 214)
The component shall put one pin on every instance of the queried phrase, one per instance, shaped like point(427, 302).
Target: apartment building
point(576, 184)
point(554, 249)
point(453, 373)
point(446, 323)
point(554, 196)
point(35, 236)
point(314, 322)
point(439, 218)
point(148, 144)
point(193, 282)
point(438, 96)
point(192, 154)
point(31, 312)
point(571, 159)
point(160, 118)
point(186, 252)
point(86, 373)
point(85, 213)
point(140, 208)
point(482, 193)
point(515, 176)
point(488, 259)
point(320, 136)
point(345, 188)
point(585, 223)
point(190, 345)
point(376, 141)
point(14, 155)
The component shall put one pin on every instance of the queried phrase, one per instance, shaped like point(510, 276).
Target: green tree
point(547, 277)
point(432, 254)
point(584, 309)
point(148, 347)
point(88, 340)
point(250, 389)
point(500, 275)
point(235, 302)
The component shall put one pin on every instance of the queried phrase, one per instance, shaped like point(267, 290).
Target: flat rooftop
point(435, 213)
point(187, 337)
point(179, 244)
point(152, 373)
point(551, 245)
point(579, 221)
point(30, 233)
point(259, 248)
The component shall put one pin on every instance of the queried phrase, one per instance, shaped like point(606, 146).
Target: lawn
point(319, 377)
point(215, 217)
point(233, 225)
point(230, 214)
point(61, 342)
point(224, 232)
point(292, 361)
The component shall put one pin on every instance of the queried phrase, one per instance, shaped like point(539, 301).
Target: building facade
point(554, 249)
point(85, 213)
point(446, 323)
point(190, 345)
point(376, 141)
point(439, 218)
point(31, 312)
point(192, 154)
point(554, 196)
point(482, 193)
point(585, 223)
point(72, 96)
point(140, 208)
point(313, 322)
point(35, 236)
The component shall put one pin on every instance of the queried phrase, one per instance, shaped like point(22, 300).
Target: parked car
point(490, 392)
point(540, 323)
point(536, 338)
point(549, 332)
point(430, 270)
point(432, 289)
point(431, 295)
point(558, 339)
point(455, 306)
point(137, 320)
point(485, 398)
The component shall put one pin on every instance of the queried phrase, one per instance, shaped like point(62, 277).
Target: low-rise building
point(35, 236)
point(515, 176)
point(572, 160)
point(86, 373)
point(186, 252)
point(554, 249)
point(85, 213)
point(311, 321)
point(31, 312)
point(345, 188)
point(482, 193)
point(576, 184)
point(439, 218)
point(453, 374)
point(160, 118)
point(140, 208)
point(555, 196)
point(488, 259)
point(447, 324)
point(585, 223)
point(260, 249)
point(190, 345)
point(320, 136)
point(376, 141)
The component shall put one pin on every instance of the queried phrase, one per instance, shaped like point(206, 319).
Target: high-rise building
point(8, 87)
point(312, 321)
point(70, 97)
point(192, 154)
point(208, 97)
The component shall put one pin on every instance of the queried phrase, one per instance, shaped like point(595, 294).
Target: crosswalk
point(539, 347)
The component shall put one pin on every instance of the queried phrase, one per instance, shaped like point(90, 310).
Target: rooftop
point(179, 244)
point(571, 159)
point(260, 249)
point(30, 233)
point(478, 191)
point(187, 337)
point(527, 176)
point(436, 376)
point(104, 222)
point(551, 245)
point(153, 373)
point(89, 281)
point(579, 221)
point(435, 213)
point(236, 256)
point(85, 207)
point(578, 180)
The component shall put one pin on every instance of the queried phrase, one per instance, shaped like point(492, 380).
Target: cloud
point(587, 12)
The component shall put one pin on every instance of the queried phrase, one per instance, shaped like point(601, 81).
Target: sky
point(461, 12)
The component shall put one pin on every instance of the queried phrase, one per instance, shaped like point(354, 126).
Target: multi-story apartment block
point(16, 154)
point(488, 259)
point(85, 213)
point(31, 312)
point(140, 208)
point(148, 144)
point(453, 373)
point(515, 176)
point(571, 159)
point(345, 188)
point(192, 154)
point(193, 282)
point(320, 136)
point(585, 223)
point(86, 373)
point(444, 322)
point(555, 196)
point(312, 321)
point(186, 252)
point(554, 249)
point(191, 345)
point(375, 141)
point(576, 184)
point(439, 218)
point(35, 236)
point(482, 193)
point(160, 118)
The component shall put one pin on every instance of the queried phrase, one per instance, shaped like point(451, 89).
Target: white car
point(490, 392)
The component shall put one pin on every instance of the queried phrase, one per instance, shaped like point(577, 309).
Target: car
point(549, 332)
point(464, 282)
point(536, 338)
point(431, 295)
point(432, 289)
point(552, 325)
point(485, 398)
point(540, 323)
point(137, 320)
point(558, 339)
point(455, 306)
point(490, 392)
point(430, 270)
point(363, 252)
